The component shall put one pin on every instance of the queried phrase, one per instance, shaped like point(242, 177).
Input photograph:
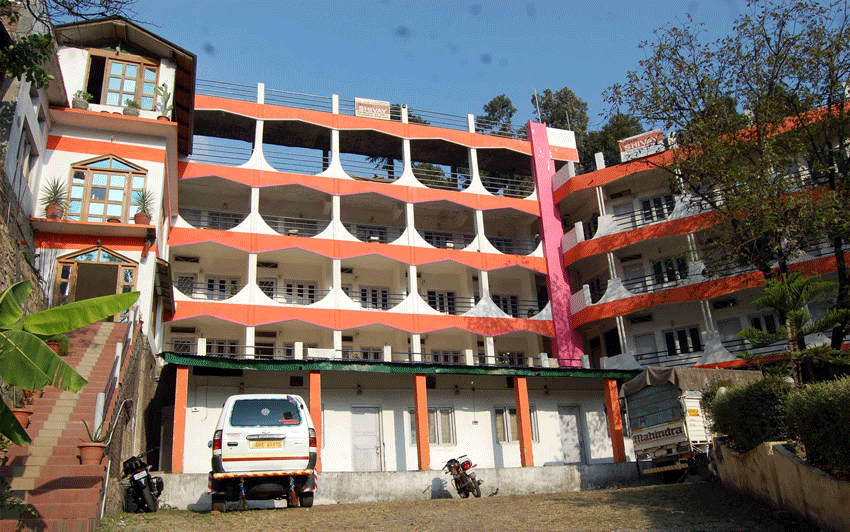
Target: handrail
point(449, 305)
point(290, 226)
point(303, 295)
point(654, 282)
point(445, 239)
point(364, 170)
point(380, 234)
point(519, 308)
point(202, 290)
point(509, 187)
point(294, 162)
point(212, 219)
point(514, 246)
point(664, 358)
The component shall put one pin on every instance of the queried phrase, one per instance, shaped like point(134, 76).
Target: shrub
point(752, 412)
point(819, 418)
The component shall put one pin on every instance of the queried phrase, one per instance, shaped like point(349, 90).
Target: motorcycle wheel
point(477, 491)
point(305, 500)
point(219, 504)
point(150, 504)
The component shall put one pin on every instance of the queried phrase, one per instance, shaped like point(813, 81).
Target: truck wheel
point(305, 500)
point(218, 503)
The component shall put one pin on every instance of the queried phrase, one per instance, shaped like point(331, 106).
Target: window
point(507, 426)
point(684, 340)
point(183, 345)
point(186, 284)
point(103, 188)
point(115, 78)
point(670, 270)
point(93, 273)
point(442, 301)
point(222, 347)
point(657, 208)
point(510, 358)
point(222, 287)
point(375, 297)
point(444, 357)
point(268, 287)
point(299, 292)
point(508, 304)
point(764, 322)
point(440, 425)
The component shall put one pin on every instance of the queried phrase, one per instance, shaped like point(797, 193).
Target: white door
point(571, 437)
point(366, 438)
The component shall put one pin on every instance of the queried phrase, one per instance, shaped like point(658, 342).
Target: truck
point(665, 419)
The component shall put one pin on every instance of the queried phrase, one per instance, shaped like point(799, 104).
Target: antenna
point(537, 104)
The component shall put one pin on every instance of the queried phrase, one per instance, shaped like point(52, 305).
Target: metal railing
point(596, 292)
point(290, 226)
point(377, 301)
point(446, 240)
point(208, 290)
point(379, 234)
point(627, 221)
point(294, 295)
point(222, 89)
point(181, 347)
point(655, 282)
point(443, 120)
point(509, 187)
point(212, 219)
point(211, 150)
point(514, 246)
point(742, 345)
point(519, 308)
point(665, 358)
point(441, 180)
point(499, 129)
point(294, 162)
point(449, 304)
point(371, 171)
point(299, 100)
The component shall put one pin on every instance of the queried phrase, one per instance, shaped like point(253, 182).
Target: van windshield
point(265, 413)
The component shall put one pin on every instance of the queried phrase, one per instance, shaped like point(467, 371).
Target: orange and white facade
point(397, 268)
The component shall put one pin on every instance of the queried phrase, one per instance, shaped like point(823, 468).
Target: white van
point(264, 447)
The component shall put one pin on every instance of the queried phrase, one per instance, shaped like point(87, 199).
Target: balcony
point(210, 290)
point(447, 240)
point(290, 226)
point(375, 299)
point(207, 219)
point(448, 302)
point(293, 294)
point(377, 234)
point(514, 246)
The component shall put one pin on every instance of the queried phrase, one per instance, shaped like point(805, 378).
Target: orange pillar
point(615, 422)
point(181, 389)
point(523, 418)
point(315, 385)
point(423, 444)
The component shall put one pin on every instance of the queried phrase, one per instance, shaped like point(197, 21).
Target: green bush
point(819, 418)
point(752, 412)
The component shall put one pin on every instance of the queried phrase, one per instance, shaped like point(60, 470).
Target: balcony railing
point(514, 246)
point(742, 345)
point(439, 179)
point(289, 226)
point(519, 308)
point(655, 282)
point(447, 240)
point(211, 150)
point(665, 358)
point(371, 171)
point(449, 304)
point(294, 295)
point(208, 290)
point(377, 300)
point(294, 162)
point(212, 219)
point(379, 234)
point(511, 187)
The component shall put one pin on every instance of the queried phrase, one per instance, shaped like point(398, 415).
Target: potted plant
point(81, 100)
point(143, 199)
point(91, 451)
point(59, 343)
point(54, 198)
point(132, 107)
point(162, 92)
point(19, 409)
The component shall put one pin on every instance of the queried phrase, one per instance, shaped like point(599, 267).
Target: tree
point(497, 117)
point(26, 361)
point(35, 43)
point(565, 110)
point(619, 127)
point(758, 116)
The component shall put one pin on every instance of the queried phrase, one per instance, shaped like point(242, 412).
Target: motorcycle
point(463, 476)
point(144, 490)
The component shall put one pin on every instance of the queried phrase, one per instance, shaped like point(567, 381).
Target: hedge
point(819, 418)
point(752, 412)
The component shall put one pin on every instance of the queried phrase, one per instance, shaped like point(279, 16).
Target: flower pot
point(114, 220)
point(79, 103)
point(22, 415)
point(54, 212)
point(163, 118)
point(91, 453)
point(141, 218)
point(132, 111)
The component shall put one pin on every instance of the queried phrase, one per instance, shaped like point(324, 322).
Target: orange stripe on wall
point(67, 241)
point(97, 147)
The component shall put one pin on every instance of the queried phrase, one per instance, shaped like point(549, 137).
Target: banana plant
point(27, 362)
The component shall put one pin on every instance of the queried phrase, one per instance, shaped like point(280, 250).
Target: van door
point(265, 434)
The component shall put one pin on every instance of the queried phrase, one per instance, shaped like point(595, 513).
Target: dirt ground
point(692, 507)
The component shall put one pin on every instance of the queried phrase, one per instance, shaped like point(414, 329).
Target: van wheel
point(218, 503)
point(305, 500)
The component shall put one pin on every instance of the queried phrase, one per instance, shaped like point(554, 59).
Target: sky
point(448, 57)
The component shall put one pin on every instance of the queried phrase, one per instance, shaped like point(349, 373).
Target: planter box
point(774, 474)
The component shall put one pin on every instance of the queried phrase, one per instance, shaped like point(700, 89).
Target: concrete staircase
point(47, 473)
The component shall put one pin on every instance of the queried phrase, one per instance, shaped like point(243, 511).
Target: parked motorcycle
point(463, 476)
point(144, 489)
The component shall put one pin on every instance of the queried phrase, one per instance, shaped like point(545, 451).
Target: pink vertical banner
point(567, 344)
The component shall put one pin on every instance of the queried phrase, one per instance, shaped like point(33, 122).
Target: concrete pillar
point(423, 444)
point(415, 347)
point(298, 350)
point(337, 344)
point(612, 265)
point(490, 350)
point(250, 331)
point(181, 392)
point(615, 421)
point(315, 406)
point(600, 201)
point(479, 229)
point(523, 418)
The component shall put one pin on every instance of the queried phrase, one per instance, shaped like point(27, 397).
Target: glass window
point(265, 413)
point(130, 81)
point(440, 425)
point(507, 425)
point(104, 189)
